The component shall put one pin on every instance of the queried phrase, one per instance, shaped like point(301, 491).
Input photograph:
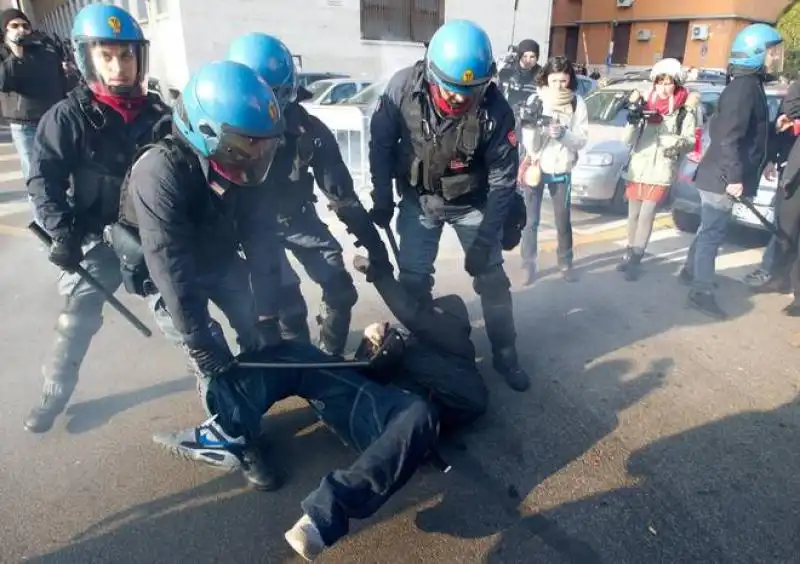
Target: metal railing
point(350, 126)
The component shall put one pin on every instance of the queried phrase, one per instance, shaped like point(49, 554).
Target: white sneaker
point(205, 443)
point(305, 538)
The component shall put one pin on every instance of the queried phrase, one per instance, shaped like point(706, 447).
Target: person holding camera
point(518, 78)
point(32, 80)
point(661, 128)
point(555, 126)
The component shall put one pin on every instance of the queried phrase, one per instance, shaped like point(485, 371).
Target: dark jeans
point(560, 188)
point(787, 262)
point(392, 430)
point(715, 215)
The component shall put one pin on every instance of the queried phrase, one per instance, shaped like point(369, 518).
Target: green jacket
point(648, 163)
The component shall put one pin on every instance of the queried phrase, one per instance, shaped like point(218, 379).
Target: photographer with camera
point(555, 126)
point(518, 77)
point(32, 79)
point(661, 128)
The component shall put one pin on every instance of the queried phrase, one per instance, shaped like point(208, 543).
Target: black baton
point(321, 365)
point(42, 235)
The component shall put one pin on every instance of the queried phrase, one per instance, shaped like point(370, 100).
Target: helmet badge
point(273, 111)
point(468, 76)
point(115, 25)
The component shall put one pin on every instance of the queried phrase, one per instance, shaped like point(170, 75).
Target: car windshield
point(318, 88)
point(368, 96)
point(603, 106)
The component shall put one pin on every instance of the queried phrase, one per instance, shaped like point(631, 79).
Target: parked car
point(586, 85)
point(597, 176)
point(334, 91)
point(306, 78)
point(686, 199)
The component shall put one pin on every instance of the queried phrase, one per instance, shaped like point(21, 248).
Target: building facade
point(640, 32)
point(362, 38)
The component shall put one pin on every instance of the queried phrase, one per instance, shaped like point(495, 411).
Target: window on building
point(401, 20)
point(141, 10)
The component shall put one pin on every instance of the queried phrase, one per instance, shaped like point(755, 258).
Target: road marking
point(9, 176)
point(12, 231)
point(14, 207)
point(9, 157)
point(615, 233)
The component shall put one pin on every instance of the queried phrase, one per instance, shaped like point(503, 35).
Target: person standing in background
point(32, 80)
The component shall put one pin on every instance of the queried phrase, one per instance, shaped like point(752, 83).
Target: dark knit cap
point(528, 45)
point(10, 15)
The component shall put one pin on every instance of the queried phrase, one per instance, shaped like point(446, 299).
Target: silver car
point(684, 195)
point(597, 176)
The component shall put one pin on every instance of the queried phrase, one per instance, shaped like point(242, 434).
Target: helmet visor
point(114, 67)
point(774, 59)
point(245, 161)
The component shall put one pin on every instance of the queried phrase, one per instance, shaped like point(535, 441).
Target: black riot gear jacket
point(82, 152)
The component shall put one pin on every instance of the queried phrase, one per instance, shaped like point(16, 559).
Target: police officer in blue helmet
point(443, 131)
point(741, 135)
point(84, 145)
point(195, 199)
point(309, 155)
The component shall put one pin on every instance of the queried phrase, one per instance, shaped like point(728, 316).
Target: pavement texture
point(650, 433)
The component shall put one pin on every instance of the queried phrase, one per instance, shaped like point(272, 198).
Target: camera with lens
point(532, 115)
point(638, 112)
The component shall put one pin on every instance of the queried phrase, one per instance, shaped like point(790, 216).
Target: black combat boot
point(55, 397)
point(634, 270)
point(505, 362)
point(261, 475)
point(626, 260)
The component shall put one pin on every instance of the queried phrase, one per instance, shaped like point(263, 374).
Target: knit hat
point(528, 45)
point(12, 14)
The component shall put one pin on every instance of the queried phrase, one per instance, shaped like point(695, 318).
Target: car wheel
point(619, 203)
point(684, 221)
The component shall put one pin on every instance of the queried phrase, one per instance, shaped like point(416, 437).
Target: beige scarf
point(559, 100)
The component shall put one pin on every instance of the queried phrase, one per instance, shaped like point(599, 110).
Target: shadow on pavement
point(88, 415)
point(722, 492)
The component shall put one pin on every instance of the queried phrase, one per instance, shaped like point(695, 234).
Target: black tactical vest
point(290, 180)
point(442, 157)
point(108, 154)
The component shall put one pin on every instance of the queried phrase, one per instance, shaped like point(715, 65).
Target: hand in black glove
point(212, 361)
point(65, 252)
point(269, 333)
point(381, 215)
point(477, 257)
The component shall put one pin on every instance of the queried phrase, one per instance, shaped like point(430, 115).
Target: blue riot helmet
point(459, 66)
point(271, 59)
point(110, 51)
point(230, 116)
point(758, 46)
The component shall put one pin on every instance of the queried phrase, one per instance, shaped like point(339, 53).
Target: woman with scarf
point(661, 127)
point(555, 126)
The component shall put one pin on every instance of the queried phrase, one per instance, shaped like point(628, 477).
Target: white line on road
point(9, 157)
point(10, 176)
point(14, 207)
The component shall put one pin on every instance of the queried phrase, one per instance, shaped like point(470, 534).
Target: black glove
point(269, 333)
point(477, 257)
point(635, 112)
point(381, 215)
point(65, 252)
point(211, 361)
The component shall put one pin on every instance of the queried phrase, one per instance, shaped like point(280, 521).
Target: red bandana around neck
point(665, 106)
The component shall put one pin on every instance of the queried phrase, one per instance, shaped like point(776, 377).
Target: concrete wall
point(327, 32)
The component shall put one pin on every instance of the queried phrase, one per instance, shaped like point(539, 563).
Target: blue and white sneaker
point(205, 443)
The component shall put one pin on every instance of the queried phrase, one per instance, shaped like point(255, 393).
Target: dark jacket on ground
point(189, 231)
point(439, 358)
point(741, 135)
point(30, 85)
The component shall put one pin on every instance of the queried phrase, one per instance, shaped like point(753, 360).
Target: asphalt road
point(650, 434)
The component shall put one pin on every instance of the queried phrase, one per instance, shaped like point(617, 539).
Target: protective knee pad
point(338, 298)
point(294, 314)
point(75, 327)
point(492, 283)
point(418, 285)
